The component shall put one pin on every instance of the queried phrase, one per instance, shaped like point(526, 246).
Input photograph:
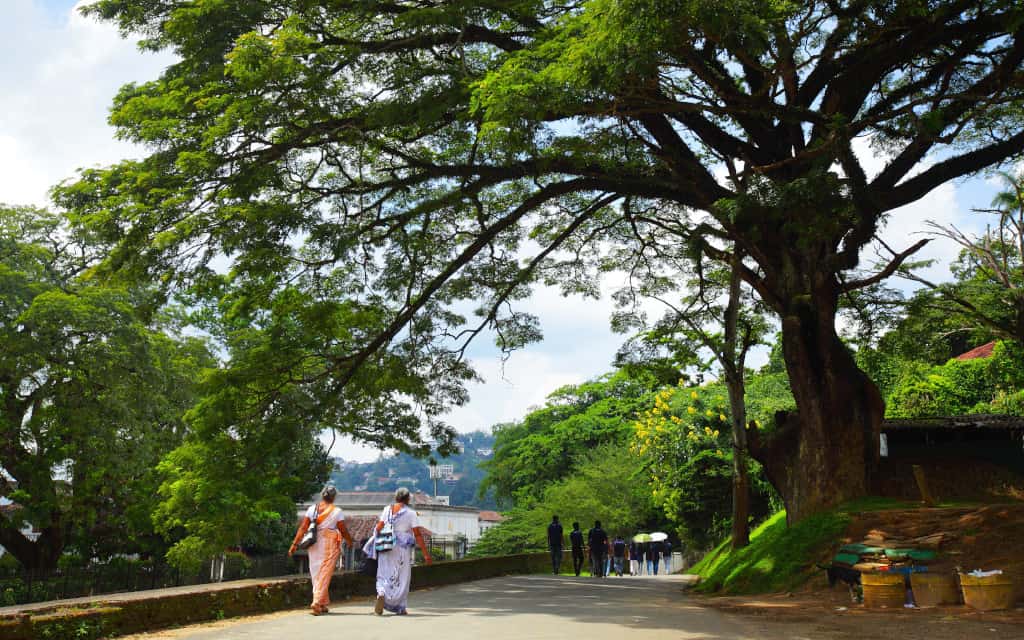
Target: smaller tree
point(542, 448)
point(988, 290)
point(684, 441)
point(714, 327)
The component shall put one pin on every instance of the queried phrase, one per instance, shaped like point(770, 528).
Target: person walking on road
point(324, 553)
point(576, 540)
point(619, 554)
point(634, 558)
point(397, 531)
point(597, 540)
point(555, 538)
point(655, 556)
point(666, 549)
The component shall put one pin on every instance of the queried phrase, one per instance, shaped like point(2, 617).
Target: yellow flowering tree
point(684, 441)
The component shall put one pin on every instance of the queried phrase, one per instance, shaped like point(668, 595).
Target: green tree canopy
point(543, 447)
point(92, 396)
point(605, 483)
point(385, 162)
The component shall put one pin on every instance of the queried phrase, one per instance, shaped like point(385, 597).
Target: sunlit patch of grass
point(779, 558)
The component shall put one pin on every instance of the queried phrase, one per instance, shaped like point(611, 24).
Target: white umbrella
point(658, 536)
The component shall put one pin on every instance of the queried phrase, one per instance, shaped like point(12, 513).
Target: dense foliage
point(93, 390)
point(368, 169)
point(605, 484)
point(993, 384)
point(683, 441)
point(544, 446)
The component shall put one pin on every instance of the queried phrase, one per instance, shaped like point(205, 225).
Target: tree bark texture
point(827, 451)
point(740, 476)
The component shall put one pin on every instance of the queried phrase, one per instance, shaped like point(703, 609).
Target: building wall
point(439, 520)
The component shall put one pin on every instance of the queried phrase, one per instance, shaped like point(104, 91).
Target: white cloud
point(60, 75)
point(904, 226)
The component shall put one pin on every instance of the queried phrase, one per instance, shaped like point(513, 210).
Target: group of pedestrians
point(396, 533)
point(606, 555)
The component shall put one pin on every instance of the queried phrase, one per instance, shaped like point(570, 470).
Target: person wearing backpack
point(619, 554)
point(576, 540)
point(555, 539)
point(323, 544)
point(597, 539)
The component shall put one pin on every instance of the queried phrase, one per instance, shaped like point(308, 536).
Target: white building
point(441, 520)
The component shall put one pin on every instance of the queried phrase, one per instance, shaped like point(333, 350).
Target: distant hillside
point(403, 470)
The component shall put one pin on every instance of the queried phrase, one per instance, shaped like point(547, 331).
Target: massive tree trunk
point(43, 553)
point(827, 451)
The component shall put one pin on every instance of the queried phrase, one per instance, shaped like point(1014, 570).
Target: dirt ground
point(830, 614)
point(987, 537)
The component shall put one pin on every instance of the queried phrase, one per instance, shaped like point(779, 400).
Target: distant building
point(489, 519)
point(447, 524)
point(485, 453)
point(984, 351)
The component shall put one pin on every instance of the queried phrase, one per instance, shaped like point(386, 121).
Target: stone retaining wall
point(110, 616)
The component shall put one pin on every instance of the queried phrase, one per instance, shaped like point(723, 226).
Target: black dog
point(845, 574)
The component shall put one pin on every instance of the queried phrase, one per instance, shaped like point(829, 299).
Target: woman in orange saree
point(323, 555)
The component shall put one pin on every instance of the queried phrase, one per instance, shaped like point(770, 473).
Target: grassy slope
point(779, 558)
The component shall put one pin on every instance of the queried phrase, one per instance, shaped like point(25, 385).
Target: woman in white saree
point(394, 565)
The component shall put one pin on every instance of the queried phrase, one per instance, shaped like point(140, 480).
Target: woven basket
point(990, 593)
point(883, 590)
point(933, 589)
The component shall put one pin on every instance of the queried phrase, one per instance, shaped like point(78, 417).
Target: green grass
point(781, 558)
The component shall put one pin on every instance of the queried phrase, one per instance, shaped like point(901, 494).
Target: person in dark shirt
point(666, 551)
point(555, 544)
point(634, 558)
point(576, 540)
point(597, 539)
point(619, 554)
point(655, 556)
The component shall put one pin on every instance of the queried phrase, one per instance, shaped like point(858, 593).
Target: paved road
point(520, 608)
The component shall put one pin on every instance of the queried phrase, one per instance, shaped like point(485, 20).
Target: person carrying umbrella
point(640, 541)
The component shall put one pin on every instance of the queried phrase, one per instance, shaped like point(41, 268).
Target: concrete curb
point(123, 614)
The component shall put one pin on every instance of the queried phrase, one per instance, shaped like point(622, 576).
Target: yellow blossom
point(691, 410)
point(721, 417)
point(693, 395)
point(709, 413)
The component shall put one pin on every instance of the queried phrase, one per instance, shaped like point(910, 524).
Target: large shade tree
point(386, 160)
point(92, 394)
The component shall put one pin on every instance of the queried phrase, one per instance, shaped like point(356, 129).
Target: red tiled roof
point(361, 528)
point(491, 516)
point(984, 351)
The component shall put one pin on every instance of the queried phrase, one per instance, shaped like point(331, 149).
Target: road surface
point(518, 607)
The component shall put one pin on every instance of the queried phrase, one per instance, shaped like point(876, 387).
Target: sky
point(61, 71)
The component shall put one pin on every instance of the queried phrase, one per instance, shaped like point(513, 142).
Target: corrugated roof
point(979, 421)
point(491, 516)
